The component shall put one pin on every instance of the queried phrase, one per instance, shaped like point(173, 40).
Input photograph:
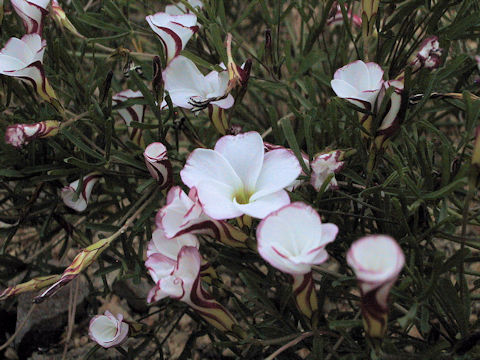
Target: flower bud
point(32, 285)
point(83, 260)
point(158, 164)
point(21, 134)
point(390, 121)
point(428, 55)
point(108, 330)
point(61, 19)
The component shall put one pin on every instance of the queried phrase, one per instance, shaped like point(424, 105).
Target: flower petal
point(245, 154)
point(217, 200)
point(262, 206)
point(280, 168)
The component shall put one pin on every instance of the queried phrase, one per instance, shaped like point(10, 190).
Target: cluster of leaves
point(417, 192)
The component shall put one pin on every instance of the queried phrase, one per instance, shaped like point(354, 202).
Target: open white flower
point(134, 112)
point(32, 13)
point(323, 165)
point(158, 164)
point(190, 89)
point(293, 238)
point(179, 8)
point(358, 83)
point(174, 31)
point(376, 260)
point(22, 58)
point(69, 193)
point(108, 330)
point(238, 178)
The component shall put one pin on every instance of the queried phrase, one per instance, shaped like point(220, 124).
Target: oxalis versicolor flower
point(180, 280)
point(376, 260)
point(135, 112)
point(61, 18)
point(21, 134)
point(292, 239)
point(22, 58)
point(324, 165)
point(190, 89)
point(336, 17)
point(108, 330)
point(238, 178)
point(32, 13)
point(174, 31)
point(158, 164)
point(183, 214)
point(391, 118)
point(428, 56)
point(180, 8)
point(359, 83)
point(79, 202)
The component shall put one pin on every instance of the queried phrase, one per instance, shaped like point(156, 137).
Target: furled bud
point(83, 260)
point(61, 19)
point(32, 13)
point(21, 134)
point(35, 284)
point(158, 165)
point(428, 56)
point(476, 148)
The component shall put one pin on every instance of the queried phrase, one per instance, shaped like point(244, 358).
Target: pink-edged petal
point(261, 207)
point(376, 258)
point(204, 165)
point(280, 169)
point(244, 152)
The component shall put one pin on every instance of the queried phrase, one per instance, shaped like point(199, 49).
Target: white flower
point(158, 164)
point(293, 238)
point(359, 83)
point(323, 165)
point(181, 212)
point(69, 193)
point(376, 260)
point(134, 112)
point(238, 178)
point(108, 330)
point(162, 253)
point(190, 89)
point(174, 31)
point(32, 13)
point(179, 8)
point(22, 58)
point(175, 279)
